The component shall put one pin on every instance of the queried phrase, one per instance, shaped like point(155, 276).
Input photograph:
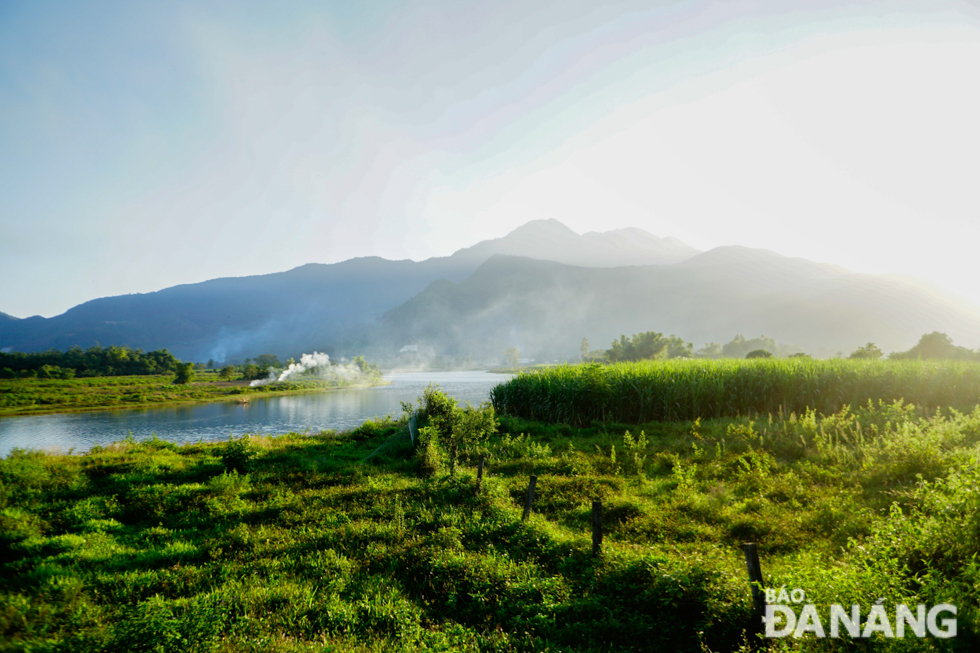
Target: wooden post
point(596, 528)
point(755, 579)
point(530, 498)
point(479, 475)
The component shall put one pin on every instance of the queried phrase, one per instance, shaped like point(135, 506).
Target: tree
point(185, 373)
point(252, 372)
point(267, 360)
point(648, 345)
point(227, 372)
point(869, 351)
point(513, 356)
point(584, 349)
point(936, 345)
point(759, 353)
point(366, 368)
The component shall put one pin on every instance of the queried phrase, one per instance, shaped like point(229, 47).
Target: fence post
point(530, 498)
point(596, 528)
point(751, 551)
point(479, 474)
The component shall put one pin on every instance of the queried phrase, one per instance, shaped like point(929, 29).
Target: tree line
point(94, 361)
point(651, 345)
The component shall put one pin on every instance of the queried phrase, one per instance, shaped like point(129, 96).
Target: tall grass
point(648, 391)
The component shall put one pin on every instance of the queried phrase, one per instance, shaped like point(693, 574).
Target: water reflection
point(342, 409)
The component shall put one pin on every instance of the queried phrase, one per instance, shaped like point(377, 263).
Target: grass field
point(688, 389)
point(291, 543)
point(36, 396)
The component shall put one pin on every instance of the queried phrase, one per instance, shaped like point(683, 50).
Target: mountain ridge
point(484, 298)
point(312, 305)
point(545, 308)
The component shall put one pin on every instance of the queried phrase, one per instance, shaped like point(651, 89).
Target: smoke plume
point(315, 363)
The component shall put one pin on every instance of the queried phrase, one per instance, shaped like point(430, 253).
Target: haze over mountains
point(540, 288)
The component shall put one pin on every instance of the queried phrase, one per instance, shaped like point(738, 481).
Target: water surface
point(340, 409)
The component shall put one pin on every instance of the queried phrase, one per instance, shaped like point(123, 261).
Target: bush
point(428, 454)
point(238, 454)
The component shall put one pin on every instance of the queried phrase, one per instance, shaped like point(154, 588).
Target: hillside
point(545, 308)
point(322, 306)
point(486, 298)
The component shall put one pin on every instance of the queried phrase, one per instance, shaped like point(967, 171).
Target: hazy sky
point(145, 144)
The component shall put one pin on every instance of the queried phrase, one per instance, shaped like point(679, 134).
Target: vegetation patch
point(668, 391)
point(292, 543)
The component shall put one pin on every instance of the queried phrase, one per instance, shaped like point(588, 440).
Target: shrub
point(428, 455)
point(238, 454)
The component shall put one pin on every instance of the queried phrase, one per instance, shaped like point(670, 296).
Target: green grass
point(36, 396)
point(289, 543)
point(688, 389)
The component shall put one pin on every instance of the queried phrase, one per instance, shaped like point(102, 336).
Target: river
point(339, 409)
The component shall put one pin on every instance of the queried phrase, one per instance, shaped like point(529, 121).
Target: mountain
point(313, 306)
point(545, 308)
point(550, 240)
point(241, 317)
point(541, 288)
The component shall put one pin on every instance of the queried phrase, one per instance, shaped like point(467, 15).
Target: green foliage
point(759, 353)
point(938, 346)
point(227, 372)
point(365, 367)
point(265, 361)
point(428, 453)
point(869, 351)
point(238, 454)
point(252, 372)
point(521, 446)
point(636, 393)
point(634, 453)
point(149, 546)
point(24, 396)
point(185, 373)
point(459, 431)
point(647, 346)
point(94, 361)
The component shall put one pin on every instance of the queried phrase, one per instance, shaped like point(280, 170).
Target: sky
point(145, 145)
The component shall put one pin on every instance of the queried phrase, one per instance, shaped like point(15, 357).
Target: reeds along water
point(649, 391)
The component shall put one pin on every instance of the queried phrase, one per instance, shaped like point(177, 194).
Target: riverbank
point(44, 396)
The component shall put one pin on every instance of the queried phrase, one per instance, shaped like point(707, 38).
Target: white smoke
point(318, 364)
point(306, 362)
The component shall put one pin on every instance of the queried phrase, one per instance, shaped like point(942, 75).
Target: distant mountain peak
point(548, 225)
point(551, 240)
